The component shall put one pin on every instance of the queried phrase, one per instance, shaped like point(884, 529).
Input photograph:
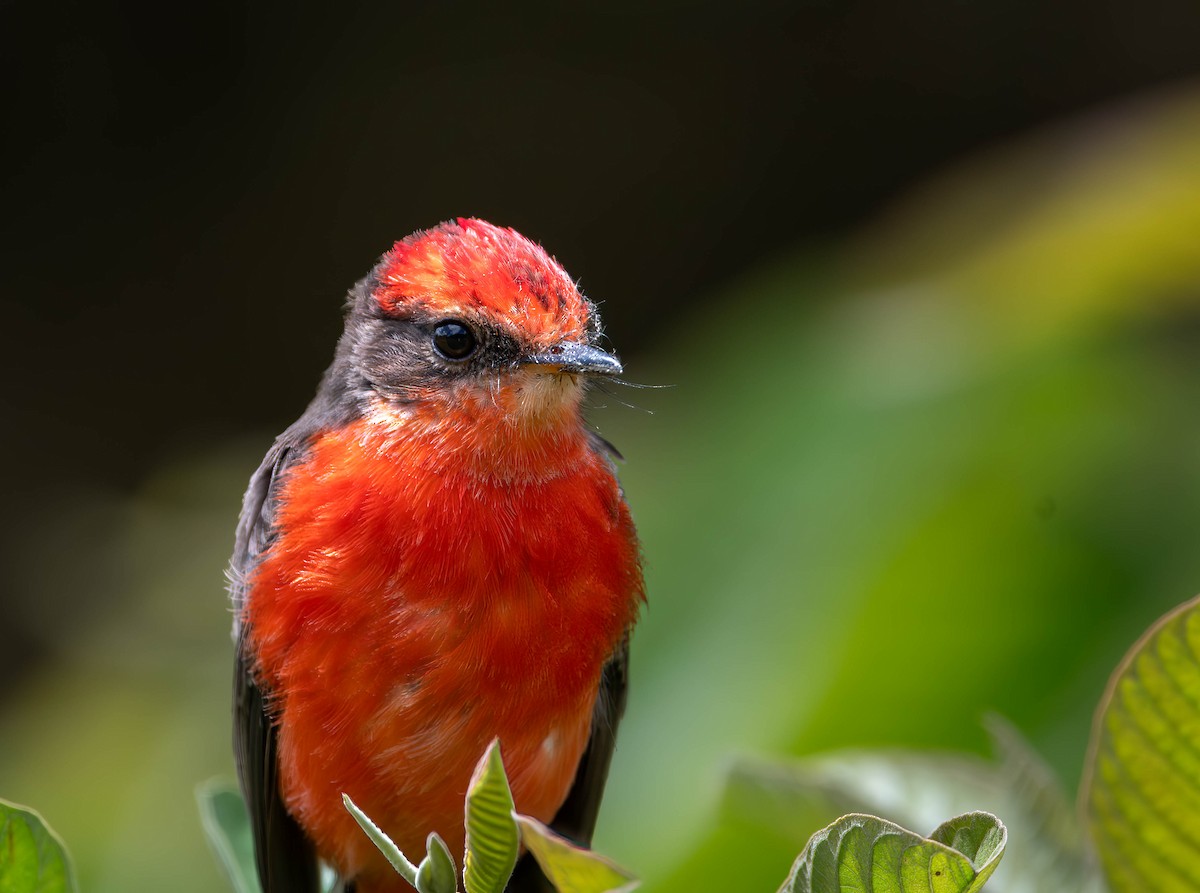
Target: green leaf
point(437, 873)
point(1143, 777)
point(32, 857)
point(861, 852)
point(492, 837)
point(572, 869)
point(980, 837)
point(227, 826)
point(917, 788)
point(403, 867)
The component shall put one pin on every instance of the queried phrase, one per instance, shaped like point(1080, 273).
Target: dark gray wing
point(576, 819)
point(286, 860)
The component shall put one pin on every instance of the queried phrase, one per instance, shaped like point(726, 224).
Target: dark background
point(189, 195)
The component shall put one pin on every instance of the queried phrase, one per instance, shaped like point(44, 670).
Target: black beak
point(572, 357)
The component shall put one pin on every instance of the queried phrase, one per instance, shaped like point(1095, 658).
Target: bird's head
point(475, 318)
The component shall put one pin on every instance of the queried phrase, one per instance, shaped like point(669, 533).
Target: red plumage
point(447, 554)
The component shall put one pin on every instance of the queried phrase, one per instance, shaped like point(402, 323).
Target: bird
point(436, 554)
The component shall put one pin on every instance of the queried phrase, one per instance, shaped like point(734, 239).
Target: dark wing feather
point(285, 858)
point(576, 819)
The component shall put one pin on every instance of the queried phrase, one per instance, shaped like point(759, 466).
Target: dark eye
point(454, 340)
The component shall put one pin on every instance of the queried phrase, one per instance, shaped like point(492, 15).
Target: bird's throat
point(527, 429)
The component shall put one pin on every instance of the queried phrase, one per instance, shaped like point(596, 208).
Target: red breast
point(443, 572)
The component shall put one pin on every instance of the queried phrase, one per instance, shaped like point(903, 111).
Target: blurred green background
point(929, 319)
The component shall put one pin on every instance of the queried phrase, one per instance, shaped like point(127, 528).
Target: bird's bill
point(573, 357)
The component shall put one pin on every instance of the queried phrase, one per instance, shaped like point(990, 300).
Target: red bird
point(436, 554)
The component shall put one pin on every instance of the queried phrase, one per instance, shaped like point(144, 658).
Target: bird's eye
point(454, 340)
